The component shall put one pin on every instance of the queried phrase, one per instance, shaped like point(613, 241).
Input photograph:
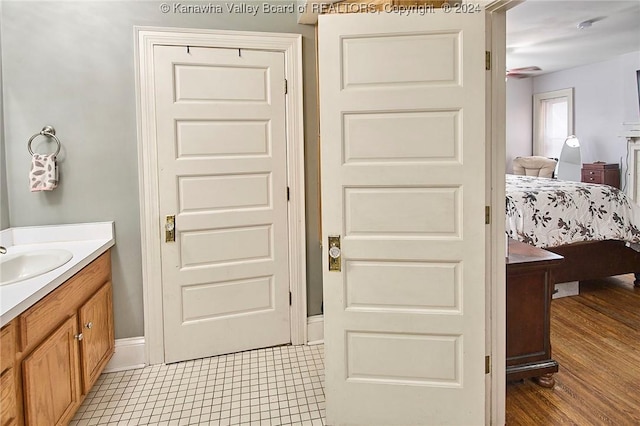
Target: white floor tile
point(273, 386)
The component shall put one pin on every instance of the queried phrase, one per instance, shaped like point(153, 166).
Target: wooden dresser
point(529, 290)
point(602, 173)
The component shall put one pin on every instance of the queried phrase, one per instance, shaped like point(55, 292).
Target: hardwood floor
point(595, 337)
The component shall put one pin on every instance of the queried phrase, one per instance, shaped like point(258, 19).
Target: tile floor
point(274, 386)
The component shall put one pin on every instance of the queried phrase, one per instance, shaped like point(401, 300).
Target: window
point(552, 121)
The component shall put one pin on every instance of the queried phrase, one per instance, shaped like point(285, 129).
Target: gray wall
point(71, 65)
point(4, 196)
point(605, 96)
point(519, 119)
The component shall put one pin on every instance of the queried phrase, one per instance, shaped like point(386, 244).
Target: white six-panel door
point(402, 103)
point(220, 122)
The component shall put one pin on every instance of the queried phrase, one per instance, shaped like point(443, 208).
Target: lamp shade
point(570, 161)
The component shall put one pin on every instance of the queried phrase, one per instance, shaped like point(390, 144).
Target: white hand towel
point(44, 173)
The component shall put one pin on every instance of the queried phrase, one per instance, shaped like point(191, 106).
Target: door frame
point(145, 38)
point(496, 89)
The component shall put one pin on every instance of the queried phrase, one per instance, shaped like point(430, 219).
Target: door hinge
point(487, 215)
point(288, 194)
point(487, 60)
point(286, 86)
point(487, 364)
point(290, 299)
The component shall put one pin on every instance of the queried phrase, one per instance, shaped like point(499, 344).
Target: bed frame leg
point(637, 281)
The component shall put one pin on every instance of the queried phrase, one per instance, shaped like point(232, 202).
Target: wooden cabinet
point(602, 173)
point(64, 342)
point(529, 290)
point(8, 391)
point(8, 408)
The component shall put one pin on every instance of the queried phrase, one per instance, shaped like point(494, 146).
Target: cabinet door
point(7, 347)
point(8, 409)
point(97, 346)
point(50, 377)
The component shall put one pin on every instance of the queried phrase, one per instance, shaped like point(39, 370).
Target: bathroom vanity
point(54, 349)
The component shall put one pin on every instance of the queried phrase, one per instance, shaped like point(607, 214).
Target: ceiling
point(545, 33)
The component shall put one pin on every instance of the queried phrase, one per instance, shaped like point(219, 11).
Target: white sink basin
point(18, 267)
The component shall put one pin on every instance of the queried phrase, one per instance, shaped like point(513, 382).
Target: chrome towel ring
point(48, 131)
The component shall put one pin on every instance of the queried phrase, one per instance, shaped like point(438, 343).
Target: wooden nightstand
point(603, 173)
point(529, 289)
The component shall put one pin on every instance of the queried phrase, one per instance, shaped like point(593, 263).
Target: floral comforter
point(549, 212)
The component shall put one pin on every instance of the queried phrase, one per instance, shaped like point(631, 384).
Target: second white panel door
point(402, 118)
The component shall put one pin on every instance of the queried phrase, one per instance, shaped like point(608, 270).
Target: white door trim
point(291, 45)
point(496, 144)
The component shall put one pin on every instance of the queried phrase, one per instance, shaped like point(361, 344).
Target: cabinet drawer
point(37, 322)
point(601, 173)
point(7, 347)
point(8, 409)
point(593, 176)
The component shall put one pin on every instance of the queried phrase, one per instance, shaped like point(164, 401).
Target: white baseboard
point(315, 330)
point(129, 355)
point(571, 288)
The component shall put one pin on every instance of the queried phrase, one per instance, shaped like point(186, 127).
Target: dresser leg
point(546, 380)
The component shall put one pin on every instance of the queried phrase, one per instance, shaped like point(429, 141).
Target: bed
point(595, 227)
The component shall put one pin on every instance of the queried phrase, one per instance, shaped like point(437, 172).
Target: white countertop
point(86, 241)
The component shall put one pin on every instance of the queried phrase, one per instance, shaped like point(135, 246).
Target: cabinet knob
point(89, 325)
point(78, 336)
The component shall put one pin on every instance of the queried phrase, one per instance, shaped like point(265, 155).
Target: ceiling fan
point(522, 72)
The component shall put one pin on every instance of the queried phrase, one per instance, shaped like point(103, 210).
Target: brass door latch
point(170, 229)
point(335, 255)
